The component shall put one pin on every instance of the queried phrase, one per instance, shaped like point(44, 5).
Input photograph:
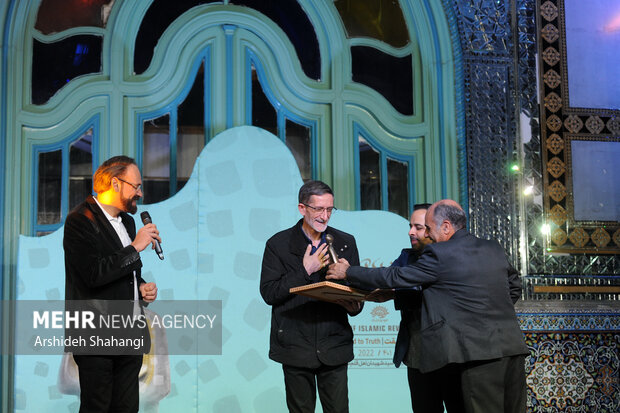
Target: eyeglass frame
point(137, 187)
point(320, 210)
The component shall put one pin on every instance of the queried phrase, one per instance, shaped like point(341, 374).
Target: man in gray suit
point(468, 320)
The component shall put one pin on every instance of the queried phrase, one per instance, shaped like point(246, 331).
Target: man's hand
point(316, 261)
point(338, 271)
point(351, 306)
point(145, 236)
point(380, 296)
point(148, 291)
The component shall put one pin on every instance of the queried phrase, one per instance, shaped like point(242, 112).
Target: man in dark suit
point(429, 391)
point(312, 339)
point(467, 320)
point(102, 262)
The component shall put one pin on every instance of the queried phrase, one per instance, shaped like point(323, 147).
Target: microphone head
point(146, 218)
point(329, 238)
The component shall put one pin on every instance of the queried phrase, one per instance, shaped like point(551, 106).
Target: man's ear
point(115, 186)
point(446, 227)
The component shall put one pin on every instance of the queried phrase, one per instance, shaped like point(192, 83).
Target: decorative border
point(569, 321)
point(560, 123)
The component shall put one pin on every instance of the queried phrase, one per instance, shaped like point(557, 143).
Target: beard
point(129, 205)
point(315, 225)
point(418, 247)
point(319, 226)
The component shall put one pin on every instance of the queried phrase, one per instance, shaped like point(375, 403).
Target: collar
point(309, 241)
point(110, 218)
point(299, 240)
point(411, 251)
point(459, 234)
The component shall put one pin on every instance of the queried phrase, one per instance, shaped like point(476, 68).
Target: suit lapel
point(104, 225)
point(298, 241)
point(129, 224)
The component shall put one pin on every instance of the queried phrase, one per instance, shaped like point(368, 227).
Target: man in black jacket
point(468, 321)
point(102, 262)
point(311, 339)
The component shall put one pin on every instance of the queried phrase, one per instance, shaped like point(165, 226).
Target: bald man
point(468, 322)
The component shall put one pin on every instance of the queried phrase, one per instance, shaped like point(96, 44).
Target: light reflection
point(613, 25)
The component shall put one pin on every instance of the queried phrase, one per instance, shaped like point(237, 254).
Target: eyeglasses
point(134, 186)
point(320, 210)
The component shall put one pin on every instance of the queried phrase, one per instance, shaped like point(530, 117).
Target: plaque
point(330, 291)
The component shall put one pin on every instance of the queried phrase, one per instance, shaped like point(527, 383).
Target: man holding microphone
point(102, 262)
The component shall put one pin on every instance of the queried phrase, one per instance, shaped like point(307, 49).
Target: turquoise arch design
point(410, 158)
point(63, 146)
point(282, 111)
point(330, 100)
point(171, 108)
point(117, 96)
point(242, 190)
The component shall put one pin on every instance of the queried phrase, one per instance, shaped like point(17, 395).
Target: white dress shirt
point(121, 231)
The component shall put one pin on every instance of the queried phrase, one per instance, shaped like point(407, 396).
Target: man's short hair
point(113, 167)
point(421, 206)
point(452, 213)
point(313, 188)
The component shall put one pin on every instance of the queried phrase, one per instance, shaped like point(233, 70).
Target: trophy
point(333, 257)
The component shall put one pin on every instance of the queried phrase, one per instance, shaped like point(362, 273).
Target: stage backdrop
point(243, 189)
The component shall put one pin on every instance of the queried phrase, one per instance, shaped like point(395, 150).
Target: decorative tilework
point(486, 40)
point(561, 121)
point(573, 372)
point(489, 113)
point(573, 123)
point(554, 123)
point(549, 11)
point(553, 102)
point(558, 215)
point(551, 56)
point(555, 143)
point(595, 125)
point(574, 362)
point(600, 237)
point(552, 79)
point(557, 191)
point(559, 237)
point(579, 237)
point(550, 33)
point(556, 167)
point(613, 124)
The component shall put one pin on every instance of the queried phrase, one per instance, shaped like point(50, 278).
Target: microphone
point(333, 257)
point(146, 219)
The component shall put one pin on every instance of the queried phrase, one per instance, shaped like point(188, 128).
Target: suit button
point(318, 351)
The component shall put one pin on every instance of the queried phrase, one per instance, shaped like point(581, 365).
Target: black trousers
point(495, 385)
point(301, 384)
point(109, 384)
point(429, 391)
